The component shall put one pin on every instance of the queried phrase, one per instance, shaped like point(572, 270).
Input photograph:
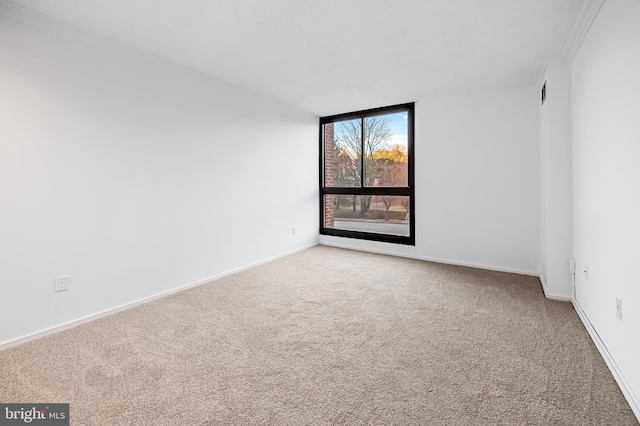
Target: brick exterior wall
point(329, 175)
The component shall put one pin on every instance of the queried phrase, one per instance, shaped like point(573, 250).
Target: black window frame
point(408, 191)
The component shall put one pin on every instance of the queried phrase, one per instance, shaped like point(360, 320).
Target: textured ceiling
point(332, 56)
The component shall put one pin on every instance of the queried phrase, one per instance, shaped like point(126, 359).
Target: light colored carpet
point(329, 336)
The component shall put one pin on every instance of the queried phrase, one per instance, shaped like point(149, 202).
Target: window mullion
point(362, 152)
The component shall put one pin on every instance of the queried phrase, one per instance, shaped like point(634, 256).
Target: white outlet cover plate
point(62, 283)
point(619, 308)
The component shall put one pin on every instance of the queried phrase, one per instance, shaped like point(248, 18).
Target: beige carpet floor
point(329, 336)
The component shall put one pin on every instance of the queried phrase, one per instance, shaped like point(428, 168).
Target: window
point(366, 175)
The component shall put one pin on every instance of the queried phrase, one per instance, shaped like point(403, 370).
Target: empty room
point(290, 212)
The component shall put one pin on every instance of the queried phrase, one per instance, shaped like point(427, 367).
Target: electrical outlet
point(62, 283)
point(293, 231)
point(619, 308)
point(586, 272)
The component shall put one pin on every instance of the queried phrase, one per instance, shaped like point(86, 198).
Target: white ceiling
point(331, 56)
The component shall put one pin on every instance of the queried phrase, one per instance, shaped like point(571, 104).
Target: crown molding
point(541, 66)
point(539, 70)
point(586, 15)
point(585, 18)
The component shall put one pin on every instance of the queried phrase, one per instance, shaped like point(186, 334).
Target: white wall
point(135, 176)
point(555, 184)
point(606, 181)
point(477, 183)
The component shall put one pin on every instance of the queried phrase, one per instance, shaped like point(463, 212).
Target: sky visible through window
point(397, 124)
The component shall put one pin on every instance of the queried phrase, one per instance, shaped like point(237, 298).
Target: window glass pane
point(368, 213)
point(385, 145)
point(342, 153)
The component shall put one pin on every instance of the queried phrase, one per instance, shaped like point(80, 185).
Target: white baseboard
point(130, 305)
point(553, 296)
point(338, 244)
point(547, 294)
point(627, 391)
